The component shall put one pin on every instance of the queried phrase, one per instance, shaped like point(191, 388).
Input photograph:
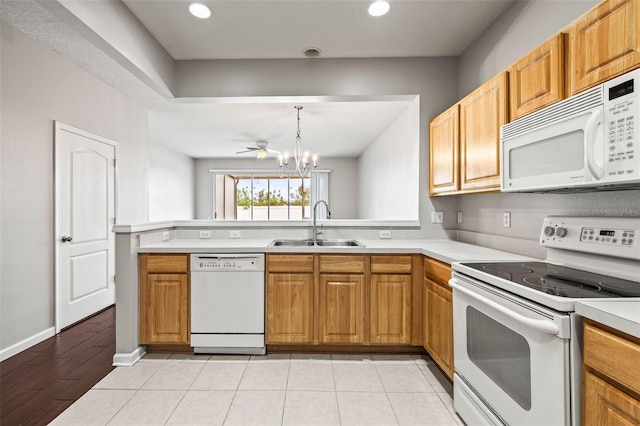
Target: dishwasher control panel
point(227, 262)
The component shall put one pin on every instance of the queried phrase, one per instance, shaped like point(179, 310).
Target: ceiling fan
point(260, 149)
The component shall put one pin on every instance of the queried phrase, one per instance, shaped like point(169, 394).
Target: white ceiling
point(256, 29)
point(328, 129)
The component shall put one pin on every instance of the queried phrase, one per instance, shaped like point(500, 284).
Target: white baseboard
point(27, 343)
point(128, 359)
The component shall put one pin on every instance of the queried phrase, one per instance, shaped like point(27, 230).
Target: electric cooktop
point(559, 281)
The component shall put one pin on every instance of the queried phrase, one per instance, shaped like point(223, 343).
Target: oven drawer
point(612, 355)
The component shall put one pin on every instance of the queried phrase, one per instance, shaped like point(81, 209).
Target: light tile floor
point(275, 389)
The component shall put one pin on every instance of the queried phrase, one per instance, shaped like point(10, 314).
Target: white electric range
point(517, 339)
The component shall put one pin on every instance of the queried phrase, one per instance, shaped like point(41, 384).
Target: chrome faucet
point(315, 226)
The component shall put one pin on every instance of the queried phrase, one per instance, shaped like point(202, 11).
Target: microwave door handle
point(543, 326)
point(590, 136)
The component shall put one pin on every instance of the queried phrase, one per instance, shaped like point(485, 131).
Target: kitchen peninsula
point(183, 238)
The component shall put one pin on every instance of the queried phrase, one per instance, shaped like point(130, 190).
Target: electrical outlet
point(234, 234)
point(506, 219)
point(166, 236)
point(205, 234)
point(437, 217)
point(385, 235)
point(459, 218)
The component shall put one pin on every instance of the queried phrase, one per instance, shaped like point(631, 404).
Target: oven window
point(502, 354)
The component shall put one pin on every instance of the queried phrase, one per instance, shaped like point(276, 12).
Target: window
point(261, 196)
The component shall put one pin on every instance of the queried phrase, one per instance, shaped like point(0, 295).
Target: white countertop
point(623, 315)
point(444, 250)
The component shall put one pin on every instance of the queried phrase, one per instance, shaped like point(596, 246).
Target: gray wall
point(522, 27)
point(39, 86)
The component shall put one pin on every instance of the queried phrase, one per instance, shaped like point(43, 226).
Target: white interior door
point(85, 185)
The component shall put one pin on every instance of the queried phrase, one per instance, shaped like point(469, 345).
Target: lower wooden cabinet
point(164, 299)
point(391, 308)
point(438, 314)
point(342, 299)
point(289, 299)
point(341, 304)
point(611, 383)
point(289, 308)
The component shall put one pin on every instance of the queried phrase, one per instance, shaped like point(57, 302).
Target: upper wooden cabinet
point(164, 299)
point(443, 153)
point(604, 43)
point(537, 79)
point(482, 112)
point(464, 141)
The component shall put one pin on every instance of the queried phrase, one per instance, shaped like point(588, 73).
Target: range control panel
point(608, 236)
point(622, 237)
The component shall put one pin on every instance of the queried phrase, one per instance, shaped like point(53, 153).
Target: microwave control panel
point(622, 127)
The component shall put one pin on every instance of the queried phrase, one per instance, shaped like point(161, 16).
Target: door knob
point(66, 239)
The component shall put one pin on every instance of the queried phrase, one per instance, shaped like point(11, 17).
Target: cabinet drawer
point(342, 264)
point(290, 263)
point(612, 355)
point(160, 263)
point(438, 272)
point(391, 264)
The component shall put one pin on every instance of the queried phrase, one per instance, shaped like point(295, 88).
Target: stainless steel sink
point(293, 243)
point(339, 243)
point(320, 243)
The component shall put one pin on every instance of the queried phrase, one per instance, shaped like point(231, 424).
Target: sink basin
point(310, 243)
point(293, 243)
point(339, 243)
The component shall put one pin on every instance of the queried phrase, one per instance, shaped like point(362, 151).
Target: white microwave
point(589, 141)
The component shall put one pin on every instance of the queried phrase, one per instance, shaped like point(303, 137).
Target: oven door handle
point(539, 325)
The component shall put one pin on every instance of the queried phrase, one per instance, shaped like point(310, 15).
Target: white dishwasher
point(227, 303)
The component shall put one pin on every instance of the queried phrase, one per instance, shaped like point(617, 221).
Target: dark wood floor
point(39, 383)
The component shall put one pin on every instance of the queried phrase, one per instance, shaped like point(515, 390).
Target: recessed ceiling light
point(199, 10)
point(378, 8)
point(312, 52)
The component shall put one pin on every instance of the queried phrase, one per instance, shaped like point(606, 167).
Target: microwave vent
point(556, 112)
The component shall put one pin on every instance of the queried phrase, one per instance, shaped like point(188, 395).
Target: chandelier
point(303, 164)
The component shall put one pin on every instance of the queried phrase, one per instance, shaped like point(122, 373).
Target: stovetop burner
point(560, 280)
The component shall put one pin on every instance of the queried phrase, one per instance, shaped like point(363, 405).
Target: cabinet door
point(443, 153)
point(438, 325)
point(481, 114)
point(341, 308)
point(164, 309)
point(604, 43)
point(289, 308)
point(391, 313)
point(605, 405)
point(537, 79)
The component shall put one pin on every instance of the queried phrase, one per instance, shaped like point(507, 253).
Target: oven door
point(511, 358)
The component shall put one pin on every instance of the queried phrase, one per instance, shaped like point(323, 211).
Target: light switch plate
point(437, 217)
